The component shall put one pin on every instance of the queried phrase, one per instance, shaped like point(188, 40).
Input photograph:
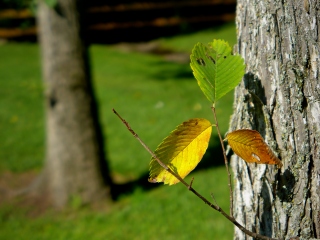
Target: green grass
point(154, 96)
point(21, 108)
point(163, 213)
point(185, 43)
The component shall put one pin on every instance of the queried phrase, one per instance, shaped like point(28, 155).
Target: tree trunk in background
point(75, 164)
point(279, 97)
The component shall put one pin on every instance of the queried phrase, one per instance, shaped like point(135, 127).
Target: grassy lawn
point(154, 96)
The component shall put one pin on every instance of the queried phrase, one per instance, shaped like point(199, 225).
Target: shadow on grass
point(173, 70)
point(212, 158)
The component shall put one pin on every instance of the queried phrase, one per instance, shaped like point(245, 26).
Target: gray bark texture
point(75, 165)
point(280, 97)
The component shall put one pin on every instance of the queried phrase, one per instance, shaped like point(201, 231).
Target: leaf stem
point(215, 207)
point(225, 160)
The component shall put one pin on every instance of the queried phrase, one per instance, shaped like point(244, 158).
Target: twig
point(150, 151)
point(190, 185)
point(225, 160)
point(215, 207)
point(214, 199)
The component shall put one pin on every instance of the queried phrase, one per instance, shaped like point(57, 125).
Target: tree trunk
point(280, 97)
point(75, 164)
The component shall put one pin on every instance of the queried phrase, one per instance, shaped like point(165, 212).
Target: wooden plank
point(157, 5)
point(16, 14)
point(17, 32)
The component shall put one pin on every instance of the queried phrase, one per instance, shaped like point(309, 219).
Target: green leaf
point(217, 71)
point(181, 151)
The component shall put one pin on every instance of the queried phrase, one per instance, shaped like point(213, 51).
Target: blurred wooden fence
point(128, 20)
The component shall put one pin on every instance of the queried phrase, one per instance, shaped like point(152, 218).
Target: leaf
point(181, 151)
point(217, 71)
point(250, 146)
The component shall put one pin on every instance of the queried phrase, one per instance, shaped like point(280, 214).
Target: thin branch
point(215, 207)
point(214, 199)
point(225, 160)
point(190, 185)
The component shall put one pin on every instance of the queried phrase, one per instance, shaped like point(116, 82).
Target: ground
point(14, 187)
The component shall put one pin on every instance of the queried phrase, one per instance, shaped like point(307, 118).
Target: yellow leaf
point(250, 146)
point(181, 151)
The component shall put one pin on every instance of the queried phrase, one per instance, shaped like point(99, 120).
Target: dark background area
point(125, 20)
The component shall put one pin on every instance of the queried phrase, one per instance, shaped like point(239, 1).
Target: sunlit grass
point(185, 43)
point(154, 96)
point(21, 108)
point(162, 213)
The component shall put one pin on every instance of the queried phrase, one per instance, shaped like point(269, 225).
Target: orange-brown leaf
point(250, 146)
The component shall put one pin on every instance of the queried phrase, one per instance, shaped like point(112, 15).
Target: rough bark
point(280, 97)
point(75, 163)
